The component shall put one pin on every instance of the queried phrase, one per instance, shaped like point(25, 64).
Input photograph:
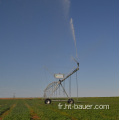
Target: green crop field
point(91, 108)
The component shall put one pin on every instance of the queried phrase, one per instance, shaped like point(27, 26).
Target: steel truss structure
point(53, 87)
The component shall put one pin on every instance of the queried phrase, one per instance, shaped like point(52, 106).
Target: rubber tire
point(70, 101)
point(47, 101)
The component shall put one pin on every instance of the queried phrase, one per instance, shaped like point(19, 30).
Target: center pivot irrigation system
point(53, 87)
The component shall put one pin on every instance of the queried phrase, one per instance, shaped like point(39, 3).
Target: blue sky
point(35, 34)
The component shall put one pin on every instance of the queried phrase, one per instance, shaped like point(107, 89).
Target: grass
point(35, 109)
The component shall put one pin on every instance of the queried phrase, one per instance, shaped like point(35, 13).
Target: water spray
point(73, 34)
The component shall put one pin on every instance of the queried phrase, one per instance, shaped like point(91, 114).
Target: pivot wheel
point(70, 101)
point(47, 101)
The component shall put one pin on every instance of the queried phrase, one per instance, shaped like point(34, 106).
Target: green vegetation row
point(19, 112)
point(5, 105)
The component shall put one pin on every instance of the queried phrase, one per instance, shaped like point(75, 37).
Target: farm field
point(88, 108)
